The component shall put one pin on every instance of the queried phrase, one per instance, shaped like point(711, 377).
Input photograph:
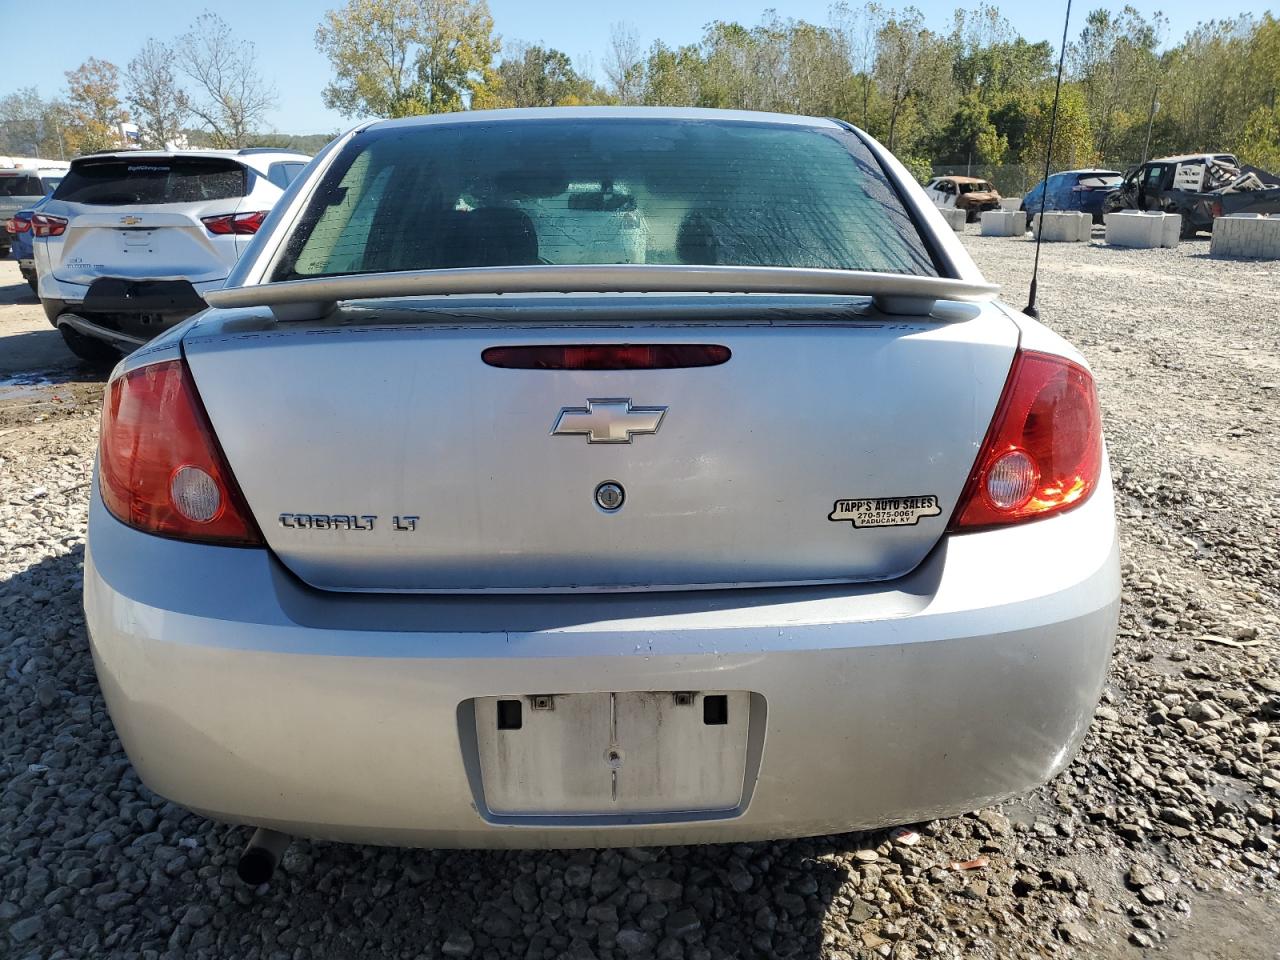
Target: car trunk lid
point(142, 243)
point(139, 217)
point(379, 452)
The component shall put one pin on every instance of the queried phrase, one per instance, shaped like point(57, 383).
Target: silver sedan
point(594, 477)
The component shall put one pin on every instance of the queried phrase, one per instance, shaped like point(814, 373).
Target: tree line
point(203, 86)
point(972, 91)
point(969, 92)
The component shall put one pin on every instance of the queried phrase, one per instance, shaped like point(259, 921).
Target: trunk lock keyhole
point(610, 496)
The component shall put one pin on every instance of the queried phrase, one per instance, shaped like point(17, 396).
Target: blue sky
point(284, 33)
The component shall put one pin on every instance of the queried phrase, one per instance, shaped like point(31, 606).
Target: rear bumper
point(246, 696)
point(124, 342)
point(125, 319)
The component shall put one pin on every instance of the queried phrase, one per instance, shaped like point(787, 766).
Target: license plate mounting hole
point(510, 715)
point(715, 710)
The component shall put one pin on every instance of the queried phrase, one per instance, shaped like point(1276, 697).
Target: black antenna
point(1030, 309)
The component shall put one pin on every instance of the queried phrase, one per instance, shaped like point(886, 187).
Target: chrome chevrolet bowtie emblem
point(608, 421)
point(130, 221)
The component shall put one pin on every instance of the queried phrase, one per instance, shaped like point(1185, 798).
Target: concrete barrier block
point(1247, 236)
point(1004, 223)
point(955, 218)
point(1012, 204)
point(1064, 226)
point(1134, 228)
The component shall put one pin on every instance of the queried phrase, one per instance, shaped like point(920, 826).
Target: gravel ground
point(1161, 839)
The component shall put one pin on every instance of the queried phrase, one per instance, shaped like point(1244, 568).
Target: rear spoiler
point(890, 292)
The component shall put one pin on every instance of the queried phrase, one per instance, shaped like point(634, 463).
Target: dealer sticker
point(885, 511)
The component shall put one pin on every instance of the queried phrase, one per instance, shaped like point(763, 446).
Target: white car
point(429, 532)
point(130, 242)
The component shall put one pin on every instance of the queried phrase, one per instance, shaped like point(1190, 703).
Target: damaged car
point(130, 241)
point(963, 193)
point(1198, 187)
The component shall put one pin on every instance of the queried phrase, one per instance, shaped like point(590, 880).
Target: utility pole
point(1151, 116)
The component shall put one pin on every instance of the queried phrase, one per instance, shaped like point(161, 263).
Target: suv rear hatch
point(139, 218)
point(379, 451)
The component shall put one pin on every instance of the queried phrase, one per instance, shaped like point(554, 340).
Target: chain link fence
point(1011, 179)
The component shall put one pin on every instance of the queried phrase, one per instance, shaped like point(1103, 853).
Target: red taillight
point(607, 356)
point(16, 226)
point(1043, 453)
point(238, 223)
point(44, 225)
point(159, 465)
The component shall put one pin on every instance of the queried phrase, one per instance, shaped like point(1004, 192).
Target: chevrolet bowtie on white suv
point(130, 241)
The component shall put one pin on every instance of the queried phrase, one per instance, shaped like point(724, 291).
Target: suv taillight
point(238, 223)
point(160, 469)
point(16, 226)
point(1043, 452)
point(44, 225)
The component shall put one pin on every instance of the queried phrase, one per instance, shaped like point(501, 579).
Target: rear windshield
point(122, 182)
point(20, 185)
point(1098, 179)
point(604, 191)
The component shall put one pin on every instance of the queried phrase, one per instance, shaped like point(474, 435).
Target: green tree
point(395, 58)
point(31, 126)
point(1260, 141)
point(858, 29)
point(1116, 64)
point(971, 136)
point(535, 76)
point(1073, 139)
point(673, 77)
point(94, 108)
point(913, 71)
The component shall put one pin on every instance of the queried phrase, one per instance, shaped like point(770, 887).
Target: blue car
point(18, 229)
point(1082, 191)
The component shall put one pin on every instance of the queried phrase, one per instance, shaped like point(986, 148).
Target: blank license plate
point(603, 753)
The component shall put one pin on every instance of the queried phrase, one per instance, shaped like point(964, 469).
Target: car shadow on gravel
point(93, 862)
point(17, 293)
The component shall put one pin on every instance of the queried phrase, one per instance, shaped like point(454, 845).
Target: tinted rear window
point(1098, 179)
point(117, 182)
point(584, 191)
point(21, 185)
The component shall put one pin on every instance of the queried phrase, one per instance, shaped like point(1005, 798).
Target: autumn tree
point(395, 58)
point(94, 108)
point(160, 106)
point(232, 97)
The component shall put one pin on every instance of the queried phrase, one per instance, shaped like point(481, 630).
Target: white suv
point(130, 241)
